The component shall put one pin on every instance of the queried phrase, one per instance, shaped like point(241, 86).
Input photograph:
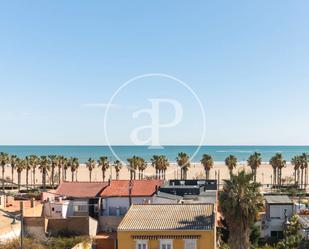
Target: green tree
point(240, 204)
point(90, 164)
point(141, 166)
point(278, 164)
point(13, 165)
point(74, 164)
point(231, 162)
point(183, 161)
point(104, 164)
point(133, 163)
point(304, 167)
point(117, 165)
point(4, 160)
point(62, 167)
point(44, 167)
point(54, 162)
point(292, 240)
point(207, 163)
point(20, 166)
point(34, 161)
point(27, 168)
point(296, 162)
point(254, 161)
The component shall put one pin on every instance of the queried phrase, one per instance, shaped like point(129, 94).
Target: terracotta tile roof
point(156, 217)
point(139, 188)
point(80, 189)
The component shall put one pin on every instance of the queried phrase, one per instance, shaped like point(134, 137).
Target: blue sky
point(248, 62)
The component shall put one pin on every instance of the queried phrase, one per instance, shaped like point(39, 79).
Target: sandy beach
point(196, 170)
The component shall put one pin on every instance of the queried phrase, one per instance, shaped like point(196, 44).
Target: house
point(165, 198)
point(118, 196)
point(168, 226)
point(188, 187)
point(277, 208)
point(84, 199)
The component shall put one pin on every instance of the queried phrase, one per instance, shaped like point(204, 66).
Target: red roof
point(139, 188)
point(80, 189)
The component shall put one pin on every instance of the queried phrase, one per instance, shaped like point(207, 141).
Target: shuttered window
point(190, 244)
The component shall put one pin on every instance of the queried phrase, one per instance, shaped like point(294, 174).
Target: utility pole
point(21, 225)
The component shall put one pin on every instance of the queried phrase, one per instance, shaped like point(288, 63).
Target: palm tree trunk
point(3, 177)
point(65, 175)
point(52, 176)
point(19, 181)
point(12, 176)
point(27, 178)
point(275, 177)
point(239, 237)
point(302, 178)
point(33, 172)
point(103, 175)
point(117, 175)
point(90, 175)
point(72, 176)
point(59, 174)
point(44, 179)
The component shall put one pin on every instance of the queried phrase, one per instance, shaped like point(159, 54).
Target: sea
point(219, 153)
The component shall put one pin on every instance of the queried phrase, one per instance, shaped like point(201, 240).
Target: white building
point(277, 208)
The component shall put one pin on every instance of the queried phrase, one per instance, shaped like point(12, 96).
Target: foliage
point(28, 244)
point(50, 243)
point(240, 203)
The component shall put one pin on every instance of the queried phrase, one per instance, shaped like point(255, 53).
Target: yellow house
point(168, 226)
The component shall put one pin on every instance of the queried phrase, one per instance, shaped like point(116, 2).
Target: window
point(81, 208)
point(190, 244)
point(166, 244)
point(141, 244)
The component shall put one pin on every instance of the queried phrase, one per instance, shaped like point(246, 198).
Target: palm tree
point(133, 166)
point(20, 166)
point(240, 204)
point(296, 162)
point(74, 164)
point(164, 165)
point(13, 164)
point(104, 164)
point(27, 168)
point(61, 167)
point(45, 165)
point(34, 162)
point(208, 163)
point(156, 164)
point(141, 166)
point(90, 165)
point(54, 164)
point(183, 161)
point(304, 166)
point(277, 163)
point(231, 162)
point(4, 159)
point(117, 165)
point(254, 161)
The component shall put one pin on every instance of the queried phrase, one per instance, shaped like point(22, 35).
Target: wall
point(207, 240)
point(123, 202)
point(160, 200)
point(109, 223)
point(36, 211)
point(76, 225)
point(35, 226)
